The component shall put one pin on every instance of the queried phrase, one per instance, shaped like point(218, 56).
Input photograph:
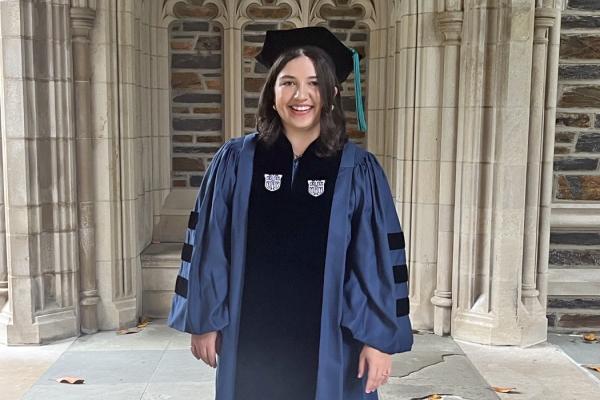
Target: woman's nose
point(300, 91)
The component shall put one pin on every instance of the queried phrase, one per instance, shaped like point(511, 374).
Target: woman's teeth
point(301, 108)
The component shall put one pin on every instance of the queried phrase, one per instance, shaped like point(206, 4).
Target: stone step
point(160, 265)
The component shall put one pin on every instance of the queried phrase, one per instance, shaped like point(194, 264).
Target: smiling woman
point(294, 270)
point(303, 76)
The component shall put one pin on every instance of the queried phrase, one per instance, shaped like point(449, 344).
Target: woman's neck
point(300, 140)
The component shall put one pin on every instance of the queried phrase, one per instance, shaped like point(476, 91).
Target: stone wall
point(575, 254)
point(197, 86)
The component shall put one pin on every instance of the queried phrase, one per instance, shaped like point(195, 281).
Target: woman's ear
point(335, 91)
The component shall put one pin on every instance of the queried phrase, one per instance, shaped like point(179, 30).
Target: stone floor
point(549, 371)
point(156, 364)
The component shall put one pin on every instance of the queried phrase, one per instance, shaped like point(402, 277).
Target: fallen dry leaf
point(434, 396)
point(129, 331)
point(143, 322)
point(593, 367)
point(590, 337)
point(73, 380)
point(503, 389)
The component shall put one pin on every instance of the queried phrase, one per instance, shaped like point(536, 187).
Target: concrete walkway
point(156, 364)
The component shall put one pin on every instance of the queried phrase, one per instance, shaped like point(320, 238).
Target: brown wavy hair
point(333, 134)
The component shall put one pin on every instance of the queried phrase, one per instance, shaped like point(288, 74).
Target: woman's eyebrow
point(293, 77)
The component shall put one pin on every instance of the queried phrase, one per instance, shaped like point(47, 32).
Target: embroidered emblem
point(316, 188)
point(272, 182)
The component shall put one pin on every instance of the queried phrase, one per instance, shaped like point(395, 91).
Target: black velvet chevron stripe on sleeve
point(400, 273)
point(193, 221)
point(181, 286)
point(396, 240)
point(402, 307)
point(186, 252)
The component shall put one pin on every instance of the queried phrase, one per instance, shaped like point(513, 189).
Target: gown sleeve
point(199, 304)
point(376, 305)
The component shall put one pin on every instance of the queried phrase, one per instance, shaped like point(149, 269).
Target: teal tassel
point(360, 110)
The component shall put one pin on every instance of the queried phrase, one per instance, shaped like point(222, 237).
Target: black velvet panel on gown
point(283, 282)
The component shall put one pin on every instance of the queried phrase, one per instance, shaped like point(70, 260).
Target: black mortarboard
point(346, 60)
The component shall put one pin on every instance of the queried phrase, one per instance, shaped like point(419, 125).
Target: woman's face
point(297, 96)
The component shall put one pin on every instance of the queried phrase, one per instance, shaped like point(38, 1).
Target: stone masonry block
point(575, 258)
point(575, 164)
point(585, 47)
point(573, 120)
point(578, 187)
point(588, 143)
point(589, 5)
point(580, 97)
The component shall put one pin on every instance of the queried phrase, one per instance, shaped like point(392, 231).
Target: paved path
point(156, 364)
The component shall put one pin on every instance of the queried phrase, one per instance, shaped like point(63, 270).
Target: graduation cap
point(345, 59)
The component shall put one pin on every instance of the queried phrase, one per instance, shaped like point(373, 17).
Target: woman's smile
point(301, 110)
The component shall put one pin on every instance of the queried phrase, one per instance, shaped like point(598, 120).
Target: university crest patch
point(316, 188)
point(272, 182)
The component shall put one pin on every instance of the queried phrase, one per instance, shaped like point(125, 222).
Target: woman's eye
point(287, 83)
point(315, 83)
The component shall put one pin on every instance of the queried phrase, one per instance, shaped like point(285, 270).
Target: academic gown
point(364, 297)
point(288, 221)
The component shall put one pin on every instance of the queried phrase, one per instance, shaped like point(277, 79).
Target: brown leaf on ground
point(434, 396)
point(129, 331)
point(143, 322)
point(500, 389)
point(593, 367)
point(73, 380)
point(590, 337)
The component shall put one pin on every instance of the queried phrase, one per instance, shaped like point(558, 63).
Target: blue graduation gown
point(288, 223)
point(365, 281)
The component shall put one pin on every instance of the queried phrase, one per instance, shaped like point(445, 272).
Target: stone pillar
point(500, 108)
point(232, 95)
point(82, 21)
point(417, 151)
point(533, 271)
point(450, 24)
point(3, 265)
point(38, 173)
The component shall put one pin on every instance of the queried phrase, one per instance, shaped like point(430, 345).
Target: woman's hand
point(378, 364)
point(206, 347)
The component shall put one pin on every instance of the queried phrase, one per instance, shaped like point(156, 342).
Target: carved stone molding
point(450, 24)
point(215, 9)
point(91, 4)
point(235, 13)
point(82, 21)
point(370, 16)
point(244, 10)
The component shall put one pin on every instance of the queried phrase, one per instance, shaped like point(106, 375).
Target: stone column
point(500, 108)
point(547, 159)
point(38, 173)
point(232, 80)
point(82, 21)
point(3, 265)
point(450, 24)
point(544, 19)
